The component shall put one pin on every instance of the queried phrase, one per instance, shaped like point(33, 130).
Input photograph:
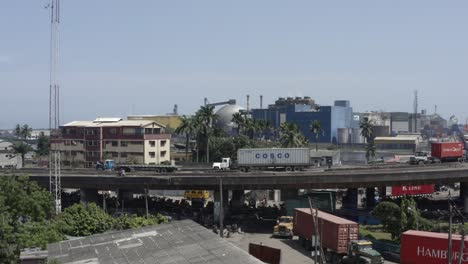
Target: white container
point(273, 157)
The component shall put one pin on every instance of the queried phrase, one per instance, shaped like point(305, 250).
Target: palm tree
point(290, 136)
point(316, 129)
point(239, 119)
point(17, 131)
point(26, 131)
point(22, 148)
point(367, 131)
point(206, 117)
point(186, 127)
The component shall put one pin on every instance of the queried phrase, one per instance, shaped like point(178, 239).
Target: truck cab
point(225, 164)
point(284, 227)
point(361, 251)
point(420, 157)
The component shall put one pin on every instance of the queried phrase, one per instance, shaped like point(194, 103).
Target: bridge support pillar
point(350, 201)
point(288, 194)
point(370, 197)
point(217, 204)
point(464, 196)
point(237, 200)
point(89, 196)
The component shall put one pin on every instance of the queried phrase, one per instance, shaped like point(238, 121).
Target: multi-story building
point(125, 141)
point(303, 111)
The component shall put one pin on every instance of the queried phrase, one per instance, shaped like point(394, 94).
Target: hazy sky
point(142, 57)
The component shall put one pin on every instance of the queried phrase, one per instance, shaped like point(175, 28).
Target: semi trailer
point(440, 152)
point(339, 237)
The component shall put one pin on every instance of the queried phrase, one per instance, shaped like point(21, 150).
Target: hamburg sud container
point(336, 232)
point(430, 248)
point(274, 157)
point(447, 150)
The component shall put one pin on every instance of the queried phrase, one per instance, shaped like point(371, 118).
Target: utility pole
point(462, 241)
point(221, 211)
point(449, 253)
point(54, 109)
point(146, 202)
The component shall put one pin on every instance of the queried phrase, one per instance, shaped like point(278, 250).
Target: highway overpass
point(257, 180)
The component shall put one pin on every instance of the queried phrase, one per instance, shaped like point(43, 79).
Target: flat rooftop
point(174, 243)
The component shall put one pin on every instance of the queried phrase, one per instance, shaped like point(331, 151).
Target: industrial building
point(303, 111)
point(83, 143)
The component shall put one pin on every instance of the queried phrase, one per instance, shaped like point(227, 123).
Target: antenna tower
point(54, 108)
point(415, 110)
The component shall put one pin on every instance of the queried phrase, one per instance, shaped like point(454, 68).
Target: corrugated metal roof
point(176, 242)
point(132, 123)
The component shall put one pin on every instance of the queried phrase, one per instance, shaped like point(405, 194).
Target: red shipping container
point(430, 248)
point(336, 231)
point(446, 150)
point(412, 190)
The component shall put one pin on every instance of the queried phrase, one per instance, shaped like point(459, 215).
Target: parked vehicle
point(196, 195)
point(440, 152)
point(339, 237)
point(430, 248)
point(288, 159)
point(284, 227)
point(111, 165)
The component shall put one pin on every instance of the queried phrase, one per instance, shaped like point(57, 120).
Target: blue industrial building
point(303, 111)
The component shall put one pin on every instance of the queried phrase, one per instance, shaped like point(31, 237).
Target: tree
point(22, 148)
point(80, 220)
point(389, 214)
point(188, 128)
point(42, 145)
point(316, 129)
point(206, 117)
point(26, 131)
point(25, 218)
point(239, 120)
point(17, 131)
point(367, 131)
point(290, 136)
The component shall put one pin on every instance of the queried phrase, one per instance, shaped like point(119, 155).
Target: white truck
point(288, 159)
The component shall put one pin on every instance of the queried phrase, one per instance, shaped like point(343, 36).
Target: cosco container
point(336, 232)
point(274, 157)
point(430, 248)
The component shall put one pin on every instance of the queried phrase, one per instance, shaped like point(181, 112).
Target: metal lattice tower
point(54, 108)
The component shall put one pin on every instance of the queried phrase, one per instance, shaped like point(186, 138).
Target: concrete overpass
point(89, 181)
point(257, 180)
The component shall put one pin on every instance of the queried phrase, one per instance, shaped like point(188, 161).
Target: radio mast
point(54, 108)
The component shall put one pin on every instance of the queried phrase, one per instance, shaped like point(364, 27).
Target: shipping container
point(410, 190)
point(447, 150)
point(336, 234)
point(273, 157)
point(430, 248)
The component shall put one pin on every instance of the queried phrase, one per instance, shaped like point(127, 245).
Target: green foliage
point(22, 148)
point(397, 219)
point(290, 136)
point(133, 221)
point(80, 220)
point(25, 217)
point(42, 145)
point(23, 131)
point(316, 129)
point(389, 214)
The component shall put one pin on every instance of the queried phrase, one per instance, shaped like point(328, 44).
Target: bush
point(133, 221)
point(80, 220)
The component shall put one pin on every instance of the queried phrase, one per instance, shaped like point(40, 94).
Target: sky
point(142, 57)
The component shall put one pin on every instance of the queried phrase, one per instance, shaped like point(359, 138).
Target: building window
point(123, 155)
point(129, 131)
point(113, 131)
point(124, 143)
point(153, 130)
point(115, 154)
point(163, 143)
point(136, 142)
point(152, 144)
point(92, 143)
point(163, 154)
point(89, 131)
point(152, 155)
point(115, 143)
